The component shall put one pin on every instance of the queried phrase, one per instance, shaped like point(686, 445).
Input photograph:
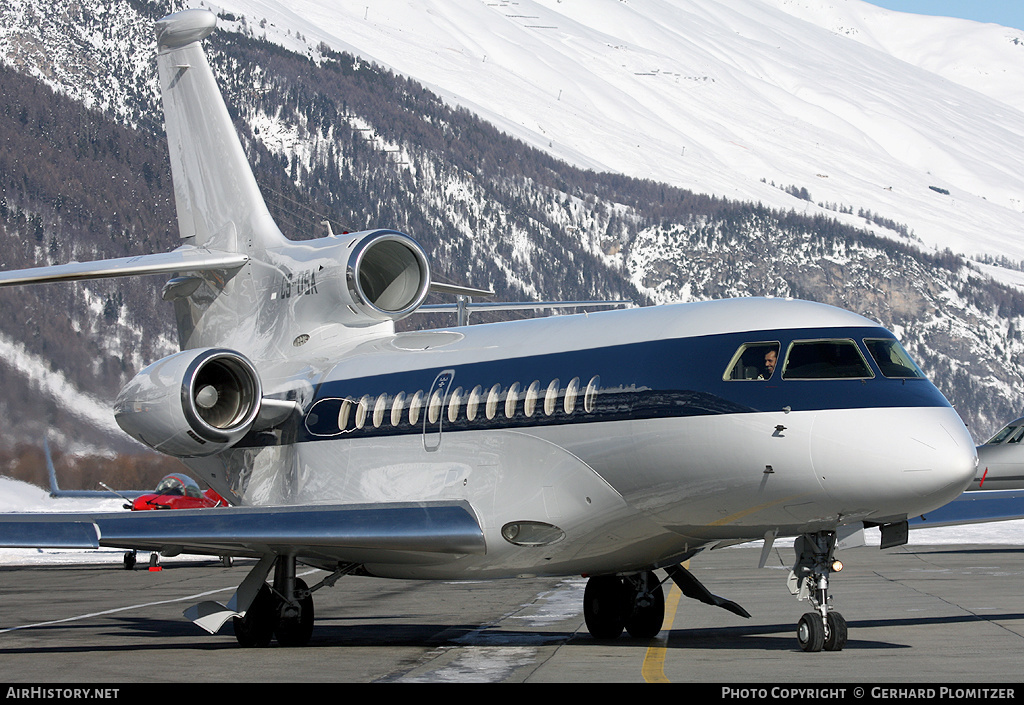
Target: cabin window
point(571, 392)
point(344, 413)
point(892, 359)
point(511, 399)
point(551, 398)
point(530, 401)
point(362, 409)
point(434, 408)
point(378, 410)
point(397, 406)
point(493, 397)
point(590, 396)
point(825, 359)
point(453, 405)
point(473, 405)
point(415, 406)
point(753, 361)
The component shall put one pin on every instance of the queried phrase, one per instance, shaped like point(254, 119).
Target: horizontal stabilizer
point(456, 290)
point(975, 507)
point(363, 532)
point(186, 259)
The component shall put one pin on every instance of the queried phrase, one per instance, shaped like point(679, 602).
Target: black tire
point(257, 627)
point(129, 560)
point(645, 622)
point(837, 632)
point(810, 632)
point(296, 630)
point(603, 603)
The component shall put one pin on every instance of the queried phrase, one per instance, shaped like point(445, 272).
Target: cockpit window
point(178, 485)
point(892, 359)
point(825, 359)
point(1004, 434)
point(753, 361)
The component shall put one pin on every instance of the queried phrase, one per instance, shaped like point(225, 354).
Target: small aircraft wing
point(975, 507)
point(57, 493)
point(408, 532)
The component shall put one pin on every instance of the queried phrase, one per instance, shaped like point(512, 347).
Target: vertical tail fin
point(218, 202)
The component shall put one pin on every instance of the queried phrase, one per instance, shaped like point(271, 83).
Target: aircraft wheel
point(256, 628)
point(154, 559)
point(227, 561)
point(129, 560)
point(810, 632)
point(296, 629)
point(603, 603)
point(648, 618)
point(837, 632)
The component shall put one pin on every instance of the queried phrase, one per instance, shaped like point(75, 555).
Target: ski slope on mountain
point(916, 119)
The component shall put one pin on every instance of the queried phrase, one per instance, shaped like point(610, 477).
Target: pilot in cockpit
point(770, 358)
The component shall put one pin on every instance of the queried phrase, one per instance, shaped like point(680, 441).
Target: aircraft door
point(433, 419)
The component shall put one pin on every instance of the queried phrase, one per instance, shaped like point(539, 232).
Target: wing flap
point(358, 532)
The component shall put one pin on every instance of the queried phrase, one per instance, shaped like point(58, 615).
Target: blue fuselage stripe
point(653, 379)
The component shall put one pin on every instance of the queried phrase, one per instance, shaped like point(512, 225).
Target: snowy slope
point(863, 107)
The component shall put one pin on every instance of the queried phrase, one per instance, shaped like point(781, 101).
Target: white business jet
point(611, 445)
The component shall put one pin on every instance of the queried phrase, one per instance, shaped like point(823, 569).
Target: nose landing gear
point(823, 628)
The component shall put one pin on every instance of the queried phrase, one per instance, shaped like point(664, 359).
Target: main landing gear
point(823, 628)
point(284, 611)
point(635, 602)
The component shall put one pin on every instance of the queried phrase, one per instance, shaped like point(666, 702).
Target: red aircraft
point(178, 491)
point(174, 491)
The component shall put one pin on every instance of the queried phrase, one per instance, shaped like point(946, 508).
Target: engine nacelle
point(358, 279)
point(387, 276)
point(193, 403)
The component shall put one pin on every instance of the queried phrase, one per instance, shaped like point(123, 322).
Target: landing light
point(837, 566)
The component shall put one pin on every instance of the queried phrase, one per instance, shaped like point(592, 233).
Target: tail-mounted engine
point(192, 403)
point(387, 275)
point(358, 279)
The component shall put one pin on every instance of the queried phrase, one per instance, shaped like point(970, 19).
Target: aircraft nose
point(893, 462)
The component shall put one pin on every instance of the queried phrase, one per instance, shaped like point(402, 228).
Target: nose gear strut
point(823, 628)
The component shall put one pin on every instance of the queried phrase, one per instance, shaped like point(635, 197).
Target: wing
point(975, 507)
point(414, 532)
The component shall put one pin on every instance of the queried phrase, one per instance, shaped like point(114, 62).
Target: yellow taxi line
point(654, 661)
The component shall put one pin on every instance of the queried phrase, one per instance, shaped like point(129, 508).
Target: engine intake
point(387, 275)
point(192, 403)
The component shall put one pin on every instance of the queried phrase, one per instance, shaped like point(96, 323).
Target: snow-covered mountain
point(919, 120)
